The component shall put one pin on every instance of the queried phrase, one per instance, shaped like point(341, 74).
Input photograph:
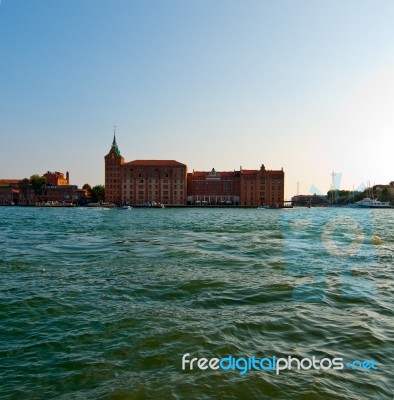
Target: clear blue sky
point(303, 85)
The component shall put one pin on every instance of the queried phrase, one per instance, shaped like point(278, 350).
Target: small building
point(378, 189)
point(9, 191)
point(57, 178)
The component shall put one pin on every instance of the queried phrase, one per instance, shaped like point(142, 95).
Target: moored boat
point(54, 204)
point(102, 205)
point(371, 203)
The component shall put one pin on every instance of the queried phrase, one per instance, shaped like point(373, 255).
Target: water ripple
point(101, 304)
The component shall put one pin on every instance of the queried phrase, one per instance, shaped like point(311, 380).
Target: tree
point(87, 187)
point(98, 193)
point(385, 195)
point(24, 187)
point(342, 197)
point(37, 182)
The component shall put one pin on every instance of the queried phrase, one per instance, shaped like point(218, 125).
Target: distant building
point(378, 189)
point(61, 193)
point(306, 200)
point(82, 197)
point(9, 191)
point(244, 187)
point(262, 187)
point(213, 187)
point(143, 181)
point(167, 182)
point(10, 183)
point(56, 189)
point(57, 178)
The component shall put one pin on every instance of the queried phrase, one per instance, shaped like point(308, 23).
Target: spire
point(114, 144)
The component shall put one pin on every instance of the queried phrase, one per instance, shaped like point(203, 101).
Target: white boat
point(371, 203)
point(124, 208)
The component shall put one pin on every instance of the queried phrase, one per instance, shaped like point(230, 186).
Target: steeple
point(114, 144)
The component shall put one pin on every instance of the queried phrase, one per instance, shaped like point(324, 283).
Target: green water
point(102, 304)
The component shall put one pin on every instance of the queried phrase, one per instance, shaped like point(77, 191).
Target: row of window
point(164, 193)
point(157, 181)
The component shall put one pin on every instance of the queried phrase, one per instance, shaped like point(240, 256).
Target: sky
point(307, 86)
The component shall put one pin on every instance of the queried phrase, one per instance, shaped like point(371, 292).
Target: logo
point(273, 363)
point(329, 248)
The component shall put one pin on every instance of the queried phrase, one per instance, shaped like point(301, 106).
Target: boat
point(124, 208)
point(54, 204)
point(102, 205)
point(371, 203)
point(263, 207)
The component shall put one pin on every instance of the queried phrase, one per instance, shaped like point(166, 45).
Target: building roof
point(156, 163)
point(56, 173)
point(114, 147)
point(9, 181)
point(206, 173)
point(249, 171)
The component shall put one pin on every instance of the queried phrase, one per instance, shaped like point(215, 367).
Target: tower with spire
point(113, 172)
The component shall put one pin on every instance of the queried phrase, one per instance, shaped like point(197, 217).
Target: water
point(102, 304)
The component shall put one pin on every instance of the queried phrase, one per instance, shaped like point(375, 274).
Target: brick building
point(56, 189)
point(262, 187)
point(213, 188)
point(56, 178)
point(143, 181)
point(167, 182)
point(9, 191)
point(243, 187)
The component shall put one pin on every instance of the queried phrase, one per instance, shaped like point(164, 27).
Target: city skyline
point(303, 86)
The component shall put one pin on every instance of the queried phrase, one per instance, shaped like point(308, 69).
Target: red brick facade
point(167, 182)
point(262, 187)
point(60, 194)
point(244, 188)
point(213, 188)
point(142, 182)
point(113, 174)
point(154, 181)
point(56, 178)
point(8, 195)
